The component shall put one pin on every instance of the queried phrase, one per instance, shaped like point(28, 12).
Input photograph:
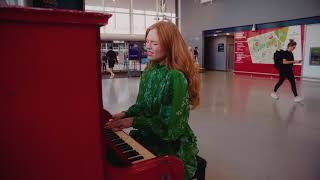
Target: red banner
point(253, 50)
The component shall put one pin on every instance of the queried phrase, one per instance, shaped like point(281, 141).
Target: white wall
point(312, 40)
point(196, 17)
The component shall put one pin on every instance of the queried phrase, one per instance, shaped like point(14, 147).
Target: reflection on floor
point(106, 75)
point(242, 132)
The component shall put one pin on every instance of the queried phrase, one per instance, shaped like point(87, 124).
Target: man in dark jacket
point(111, 58)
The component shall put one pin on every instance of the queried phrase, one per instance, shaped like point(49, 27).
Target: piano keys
point(129, 150)
point(127, 159)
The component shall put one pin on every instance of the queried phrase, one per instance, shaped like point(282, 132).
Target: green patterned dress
point(161, 116)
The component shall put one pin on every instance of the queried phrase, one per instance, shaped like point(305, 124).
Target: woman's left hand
point(119, 124)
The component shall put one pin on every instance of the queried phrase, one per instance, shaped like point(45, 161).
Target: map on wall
point(262, 46)
point(253, 50)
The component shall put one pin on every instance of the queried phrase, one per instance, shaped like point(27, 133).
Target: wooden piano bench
point(201, 169)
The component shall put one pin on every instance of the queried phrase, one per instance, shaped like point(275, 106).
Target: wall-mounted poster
point(263, 45)
point(315, 56)
point(220, 47)
point(254, 50)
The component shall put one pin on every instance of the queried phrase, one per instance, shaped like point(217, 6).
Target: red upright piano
point(51, 114)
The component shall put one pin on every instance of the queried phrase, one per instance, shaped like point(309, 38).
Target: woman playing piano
point(169, 87)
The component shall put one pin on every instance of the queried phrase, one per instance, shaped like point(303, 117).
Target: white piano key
point(136, 146)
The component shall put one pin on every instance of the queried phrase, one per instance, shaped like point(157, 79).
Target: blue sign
point(134, 53)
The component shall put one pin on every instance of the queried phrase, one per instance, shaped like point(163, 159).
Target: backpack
point(278, 58)
point(111, 60)
point(110, 57)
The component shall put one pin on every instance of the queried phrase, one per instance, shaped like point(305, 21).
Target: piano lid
point(38, 15)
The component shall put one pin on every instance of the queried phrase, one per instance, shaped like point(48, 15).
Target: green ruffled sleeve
point(135, 109)
point(172, 120)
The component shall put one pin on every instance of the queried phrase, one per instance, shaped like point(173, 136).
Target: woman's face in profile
point(154, 50)
point(291, 48)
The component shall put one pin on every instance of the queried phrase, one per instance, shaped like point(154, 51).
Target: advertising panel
point(254, 49)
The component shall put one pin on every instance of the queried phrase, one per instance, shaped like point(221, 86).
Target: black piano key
point(131, 153)
point(115, 138)
point(123, 145)
point(109, 131)
point(117, 141)
point(125, 148)
point(135, 158)
point(112, 136)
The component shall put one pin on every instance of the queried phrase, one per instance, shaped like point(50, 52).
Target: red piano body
point(51, 114)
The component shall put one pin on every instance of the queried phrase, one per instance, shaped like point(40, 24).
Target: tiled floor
point(242, 132)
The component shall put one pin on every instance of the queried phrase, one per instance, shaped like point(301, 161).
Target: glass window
point(122, 23)
point(102, 29)
point(110, 27)
point(93, 8)
point(122, 10)
point(170, 6)
point(93, 3)
point(150, 20)
point(145, 5)
point(151, 12)
point(144, 14)
point(138, 24)
point(167, 14)
point(173, 20)
point(109, 9)
point(138, 11)
point(116, 3)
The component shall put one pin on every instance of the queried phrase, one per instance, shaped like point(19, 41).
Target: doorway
point(230, 53)
point(219, 52)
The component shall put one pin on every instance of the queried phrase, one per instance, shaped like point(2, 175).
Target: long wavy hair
point(178, 57)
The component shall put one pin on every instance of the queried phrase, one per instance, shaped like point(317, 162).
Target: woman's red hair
point(178, 57)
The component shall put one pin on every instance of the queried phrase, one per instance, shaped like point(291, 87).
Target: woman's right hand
point(119, 115)
point(119, 124)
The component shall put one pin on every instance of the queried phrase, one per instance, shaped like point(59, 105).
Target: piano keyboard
point(127, 146)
